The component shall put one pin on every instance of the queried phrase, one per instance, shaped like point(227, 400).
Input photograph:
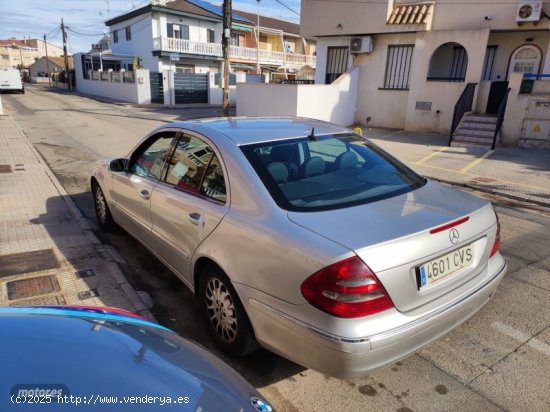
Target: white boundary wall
point(334, 102)
point(138, 92)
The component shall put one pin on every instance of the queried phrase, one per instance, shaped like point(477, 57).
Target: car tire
point(227, 321)
point(102, 211)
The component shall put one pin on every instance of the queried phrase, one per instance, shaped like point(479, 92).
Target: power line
point(53, 32)
point(287, 7)
point(84, 34)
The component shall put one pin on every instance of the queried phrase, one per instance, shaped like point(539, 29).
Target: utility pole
point(47, 61)
point(258, 71)
point(67, 73)
point(225, 47)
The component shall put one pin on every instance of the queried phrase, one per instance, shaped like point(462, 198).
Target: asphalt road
point(498, 360)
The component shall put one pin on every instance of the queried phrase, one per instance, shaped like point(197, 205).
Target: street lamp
point(258, 39)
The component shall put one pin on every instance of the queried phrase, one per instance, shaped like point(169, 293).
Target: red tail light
point(346, 289)
point(496, 245)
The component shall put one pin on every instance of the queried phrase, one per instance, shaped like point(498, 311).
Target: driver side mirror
point(117, 165)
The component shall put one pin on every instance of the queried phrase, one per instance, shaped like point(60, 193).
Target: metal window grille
point(459, 64)
point(337, 63)
point(489, 62)
point(128, 33)
point(398, 67)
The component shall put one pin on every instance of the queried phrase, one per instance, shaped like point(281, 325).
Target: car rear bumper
point(355, 357)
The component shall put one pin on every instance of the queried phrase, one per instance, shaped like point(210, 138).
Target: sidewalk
point(48, 253)
point(516, 173)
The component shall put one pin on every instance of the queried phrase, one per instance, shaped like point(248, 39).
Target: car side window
point(194, 167)
point(148, 159)
point(213, 184)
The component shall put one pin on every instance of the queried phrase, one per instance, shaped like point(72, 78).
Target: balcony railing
point(293, 60)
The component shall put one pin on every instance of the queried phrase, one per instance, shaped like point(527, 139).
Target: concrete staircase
point(475, 131)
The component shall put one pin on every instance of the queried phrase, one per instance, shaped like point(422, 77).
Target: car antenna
point(312, 134)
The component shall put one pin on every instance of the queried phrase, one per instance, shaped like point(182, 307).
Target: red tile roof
point(14, 43)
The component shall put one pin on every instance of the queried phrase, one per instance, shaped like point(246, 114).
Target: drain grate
point(26, 288)
point(88, 294)
point(25, 262)
point(5, 169)
point(40, 301)
point(86, 273)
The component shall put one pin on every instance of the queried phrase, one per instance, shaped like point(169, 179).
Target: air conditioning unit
point(529, 11)
point(360, 45)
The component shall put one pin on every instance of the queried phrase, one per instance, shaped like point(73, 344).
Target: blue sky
point(85, 18)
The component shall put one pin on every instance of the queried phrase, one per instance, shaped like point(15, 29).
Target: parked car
point(89, 358)
point(303, 237)
point(10, 80)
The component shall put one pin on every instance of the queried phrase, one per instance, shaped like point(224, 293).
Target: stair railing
point(500, 118)
point(463, 105)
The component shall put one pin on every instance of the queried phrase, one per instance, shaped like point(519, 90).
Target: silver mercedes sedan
point(304, 238)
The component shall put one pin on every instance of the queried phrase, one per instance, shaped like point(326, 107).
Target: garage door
point(191, 88)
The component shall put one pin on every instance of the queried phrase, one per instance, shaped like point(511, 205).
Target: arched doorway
point(449, 63)
point(525, 59)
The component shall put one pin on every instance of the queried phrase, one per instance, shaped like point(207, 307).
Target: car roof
point(248, 130)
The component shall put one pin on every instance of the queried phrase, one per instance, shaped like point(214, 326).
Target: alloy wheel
point(221, 310)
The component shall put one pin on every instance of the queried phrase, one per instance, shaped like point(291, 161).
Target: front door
point(132, 189)
point(157, 87)
point(188, 204)
point(496, 94)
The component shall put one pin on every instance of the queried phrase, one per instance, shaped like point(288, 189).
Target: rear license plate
point(436, 269)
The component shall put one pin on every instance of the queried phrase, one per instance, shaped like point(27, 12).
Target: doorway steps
point(475, 131)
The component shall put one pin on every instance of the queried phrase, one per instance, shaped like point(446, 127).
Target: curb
point(493, 192)
point(131, 294)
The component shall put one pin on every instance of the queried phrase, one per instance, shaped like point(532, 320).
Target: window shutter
point(184, 32)
point(170, 29)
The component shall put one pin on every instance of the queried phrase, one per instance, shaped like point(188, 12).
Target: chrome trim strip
point(380, 336)
point(317, 331)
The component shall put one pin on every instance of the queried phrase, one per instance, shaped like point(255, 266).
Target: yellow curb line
point(474, 175)
point(431, 155)
point(476, 162)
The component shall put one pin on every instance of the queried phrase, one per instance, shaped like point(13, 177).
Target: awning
point(243, 66)
point(241, 28)
point(411, 13)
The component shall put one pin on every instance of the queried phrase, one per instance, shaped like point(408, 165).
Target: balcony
point(290, 60)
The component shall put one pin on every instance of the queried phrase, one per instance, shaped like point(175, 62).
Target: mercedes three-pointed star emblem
point(454, 236)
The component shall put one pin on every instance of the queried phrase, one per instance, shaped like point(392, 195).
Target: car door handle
point(194, 218)
point(144, 193)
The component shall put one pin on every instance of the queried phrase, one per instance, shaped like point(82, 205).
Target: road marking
point(522, 337)
point(473, 175)
point(432, 155)
point(476, 162)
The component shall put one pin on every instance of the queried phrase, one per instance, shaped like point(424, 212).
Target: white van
point(10, 79)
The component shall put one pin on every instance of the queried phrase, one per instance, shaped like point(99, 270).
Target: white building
point(415, 59)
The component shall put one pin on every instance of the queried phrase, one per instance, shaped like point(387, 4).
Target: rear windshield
point(329, 172)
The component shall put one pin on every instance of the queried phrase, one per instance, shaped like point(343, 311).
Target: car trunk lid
point(393, 238)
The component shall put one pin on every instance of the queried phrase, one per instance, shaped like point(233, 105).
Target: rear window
point(329, 172)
